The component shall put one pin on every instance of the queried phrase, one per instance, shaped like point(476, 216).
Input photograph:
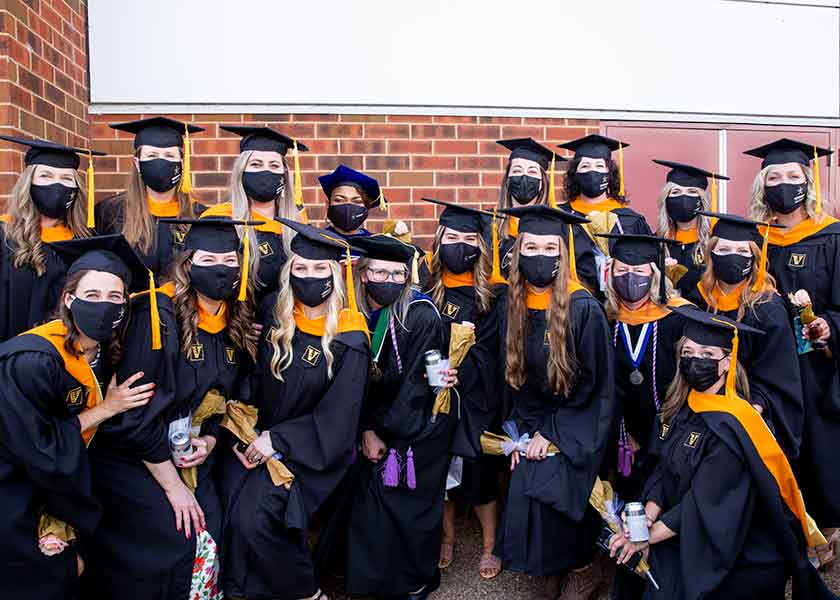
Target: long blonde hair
point(667, 227)
point(239, 322)
point(481, 274)
point(561, 362)
point(760, 211)
point(749, 299)
point(23, 233)
point(280, 336)
point(139, 227)
point(677, 392)
point(613, 302)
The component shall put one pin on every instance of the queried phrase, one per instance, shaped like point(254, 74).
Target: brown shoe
point(582, 583)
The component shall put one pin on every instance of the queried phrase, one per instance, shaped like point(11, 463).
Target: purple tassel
point(391, 474)
point(410, 475)
point(625, 459)
point(621, 465)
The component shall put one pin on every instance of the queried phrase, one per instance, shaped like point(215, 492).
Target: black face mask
point(699, 373)
point(160, 174)
point(217, 282)
point(312, 291)
point(539, 270)
point(785, 197)
point(97, 320)
point(632, 287)
point(731, 268)
point(384, 293)
point(682, 208)
point(592, 183)
point(263, 186)
point(524, 188)
point(53, 200)
point(347, 217)
point(459, 257)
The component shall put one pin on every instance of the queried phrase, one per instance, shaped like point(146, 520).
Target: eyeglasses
point(383, 275)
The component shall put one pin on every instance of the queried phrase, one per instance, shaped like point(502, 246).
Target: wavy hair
point(481, 274)
point(561, 362)
point(572, 189)
point(186, 309)
point(280, 336)
point(613, 302)
point(667, 227)
point(23, 233)
point(759, 211)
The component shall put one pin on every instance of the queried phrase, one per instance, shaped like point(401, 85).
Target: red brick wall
point(43, 76)
point(451, 158)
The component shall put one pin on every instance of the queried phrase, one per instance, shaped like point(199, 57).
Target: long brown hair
point(186, 309)
point(481, 274)
point(71, 340)
point(139, 227)
point(561, 361)
point(749, 298)
point(572, 189)
point(677, 392)
point(23, 234)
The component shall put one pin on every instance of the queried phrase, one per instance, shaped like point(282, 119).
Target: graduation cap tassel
point(186, 176)
point(348, 279)
point(415, 270)
point(762, 262)
point(621, 169)
point(496, 274)
point(572, 260)
point(246, 265)
point(552, 198)
point(154, 314)
point(383, 204)
point(91, 193)
point(714, 195)
point(732, 375)
point(818, 205)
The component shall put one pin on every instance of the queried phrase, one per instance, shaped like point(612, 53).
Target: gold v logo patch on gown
point(692, 440)
point(797, 261)
point(451, 310)
point(311, 355)
point(195, 353)
point(230, 355)
point(266, 249)
point(74, 397)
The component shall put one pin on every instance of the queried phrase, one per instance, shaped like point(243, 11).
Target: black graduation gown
point(313, 421)
point(394, 533)
point(549, 500)
point(735, 537)
point(110, 218)
point(43, 465)
point(272, 258)
point(477, 399)
point(25, 298)
point(813, 264)
point(138, 515)
point(772, 367)
point(684, 254)
point(636, 403)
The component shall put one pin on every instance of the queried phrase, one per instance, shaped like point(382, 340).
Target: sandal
point(489, 562)
point(447, 552)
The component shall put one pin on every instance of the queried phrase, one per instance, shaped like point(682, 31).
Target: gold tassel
point(620, 169)
point(298, 180)
point(762, 267)
point(154, 314)
point(186, 176)
point(383, 204)
point(246, 264)
point(714, 195)
point(552, 199)
point(496, 274)
point(348, 276)
point(818, 204)
point(732, 374)
point(91, 196)
point(572, 260)
point(415, 270)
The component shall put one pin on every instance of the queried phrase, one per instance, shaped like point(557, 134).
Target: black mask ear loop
point(663, 292)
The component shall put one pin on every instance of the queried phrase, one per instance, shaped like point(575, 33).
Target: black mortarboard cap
point(263, 138)
point(543, 220)
point(215, 234)
point(43, 152)
point(344, 175)
point(710, 329)
point(636, 249)
point(160, 132)
point(109, 253)
point(593, 146)
point(530, 149)
point(735, 228)
point(315, 243)
point(384, 247)
point(688, 176)
point(786, 150)
point(460, 218)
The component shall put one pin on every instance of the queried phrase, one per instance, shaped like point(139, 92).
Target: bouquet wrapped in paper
point(498, 445)
point(461, 339)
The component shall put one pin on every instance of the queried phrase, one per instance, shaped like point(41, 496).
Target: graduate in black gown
point(804, 258)
point(394, 527)
point(686, 192)
point(727, 516)
point(51, 405)
point(558, 382)
point(350, 196)
point(47, 204)
point(462, 286)
point(528, 181)
point(308, 387)
point(159, 186)
point(736, 284)
point(263, 187)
